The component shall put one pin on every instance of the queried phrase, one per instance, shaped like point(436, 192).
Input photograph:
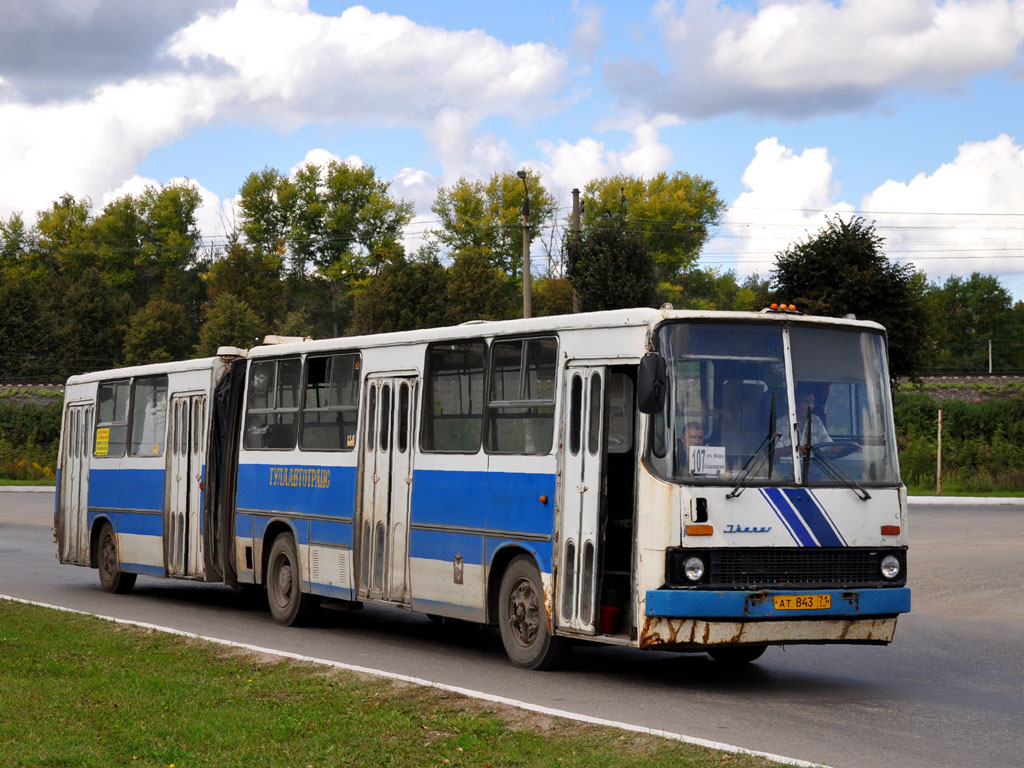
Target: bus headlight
point(890, 567)
point(693, 569)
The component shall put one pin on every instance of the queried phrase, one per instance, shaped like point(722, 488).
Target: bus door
point(579, 525)
point(386, 478)
point(73, 511)
point(185, 483)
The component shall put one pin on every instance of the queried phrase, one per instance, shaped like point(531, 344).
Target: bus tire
point(112, 578)
point(523, 619)
point(289, 605)
point(737, 654)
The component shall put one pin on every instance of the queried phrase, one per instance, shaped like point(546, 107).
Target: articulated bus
point(661, 479)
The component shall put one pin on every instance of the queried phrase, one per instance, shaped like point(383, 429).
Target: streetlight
point(527, 309)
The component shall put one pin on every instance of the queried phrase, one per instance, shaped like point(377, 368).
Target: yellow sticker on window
point(350, 441)
point(102, 441)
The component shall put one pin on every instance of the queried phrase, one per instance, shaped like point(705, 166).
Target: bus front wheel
point(289, 605)
point(112, 578)
point(523, 618)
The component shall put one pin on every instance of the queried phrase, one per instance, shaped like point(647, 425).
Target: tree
point(404, 296)
point(487, 217)
point(157, 333)
point(610, 268)
point(673, 214)
point(229, 322)
point(963, 316)
point(252, 275)
point(843, 270)
point(477, 290)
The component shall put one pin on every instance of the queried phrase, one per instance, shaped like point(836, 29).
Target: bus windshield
point(739, 409)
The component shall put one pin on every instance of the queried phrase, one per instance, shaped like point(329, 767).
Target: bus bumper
point(692, 619)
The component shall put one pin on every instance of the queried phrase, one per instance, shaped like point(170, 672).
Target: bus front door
point(184, 507)
point(579, 528)
point(73, 507)
point(386, 485)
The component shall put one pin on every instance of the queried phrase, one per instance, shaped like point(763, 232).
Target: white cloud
point(926, 220)
point(279, 63)
point(788, 196)
point(791, 194)
point(292, 66)
point(323, 157)
point(809, 56)
point(571, 165)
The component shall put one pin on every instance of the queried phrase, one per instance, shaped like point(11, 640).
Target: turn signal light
point(699, 530)
point(890, 530)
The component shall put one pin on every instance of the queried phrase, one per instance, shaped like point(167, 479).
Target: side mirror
point(652, 384)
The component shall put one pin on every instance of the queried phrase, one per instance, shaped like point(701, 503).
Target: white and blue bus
point(679, 480)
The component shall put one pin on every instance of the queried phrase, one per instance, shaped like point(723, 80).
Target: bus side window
point(149, 416)
point(331, 403)
point(272, 404)
point(521, 401)
point(453, 397)
point(111, 419)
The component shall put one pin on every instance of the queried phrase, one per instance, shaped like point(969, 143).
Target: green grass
point(8, 481)
point(79, 691)
point(914, 490)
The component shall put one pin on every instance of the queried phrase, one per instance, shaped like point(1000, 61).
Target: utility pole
point(575, 240)
point(527, 308)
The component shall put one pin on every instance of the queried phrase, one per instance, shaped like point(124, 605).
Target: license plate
point(802, 602)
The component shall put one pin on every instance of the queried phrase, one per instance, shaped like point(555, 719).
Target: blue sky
point(910, 112)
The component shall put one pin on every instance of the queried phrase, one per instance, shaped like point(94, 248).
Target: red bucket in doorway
point(609, 618)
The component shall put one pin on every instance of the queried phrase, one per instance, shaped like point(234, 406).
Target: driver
point(804, 402)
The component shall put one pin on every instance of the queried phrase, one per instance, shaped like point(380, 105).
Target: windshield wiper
point(768, 442)
point(830, 468)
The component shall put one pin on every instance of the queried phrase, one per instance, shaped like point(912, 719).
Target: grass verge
point(79, 691)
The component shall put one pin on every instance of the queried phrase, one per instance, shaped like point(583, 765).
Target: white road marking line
point(480, 695)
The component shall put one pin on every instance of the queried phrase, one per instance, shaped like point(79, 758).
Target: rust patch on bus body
point(697, 634)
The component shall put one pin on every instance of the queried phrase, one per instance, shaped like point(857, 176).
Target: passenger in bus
point(691, 435)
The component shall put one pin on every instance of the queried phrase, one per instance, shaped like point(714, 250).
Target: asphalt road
point(948, 692)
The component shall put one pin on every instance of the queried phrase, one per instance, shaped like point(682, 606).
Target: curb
point(952, 501)
point(28, 489)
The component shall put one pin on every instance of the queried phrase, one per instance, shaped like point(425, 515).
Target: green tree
point(229, 322)
point(843, 270)
point(477, 290)
point(610, 267)
point(486, 217)
point(157, 333)
point(252, 275)
point(405, 295)
point(91, 321)
point(673, 214)
point(963, 315)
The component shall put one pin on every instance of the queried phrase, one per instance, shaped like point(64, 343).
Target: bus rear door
point(73, 506)
point(184, 485)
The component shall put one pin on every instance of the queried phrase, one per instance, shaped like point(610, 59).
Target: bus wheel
point(737, 654)
point(523, 618)
point(112, 578)
point(289, 605)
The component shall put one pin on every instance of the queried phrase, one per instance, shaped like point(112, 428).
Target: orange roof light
point(792, 307)
point(774, 306)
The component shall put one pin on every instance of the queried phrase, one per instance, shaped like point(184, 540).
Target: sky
point(909, 113)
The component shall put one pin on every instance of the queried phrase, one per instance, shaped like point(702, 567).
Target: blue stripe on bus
point(301, 489)
point(734, 604)
point(504, 501)
point(793, 522)
point(145, 570)
point(324, 532)
point(812, 515)
point(140, 525)
point(444, 545)
point(127, 488)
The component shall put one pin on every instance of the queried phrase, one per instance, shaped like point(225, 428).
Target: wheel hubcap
point(109, 556)
point(523, 615)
